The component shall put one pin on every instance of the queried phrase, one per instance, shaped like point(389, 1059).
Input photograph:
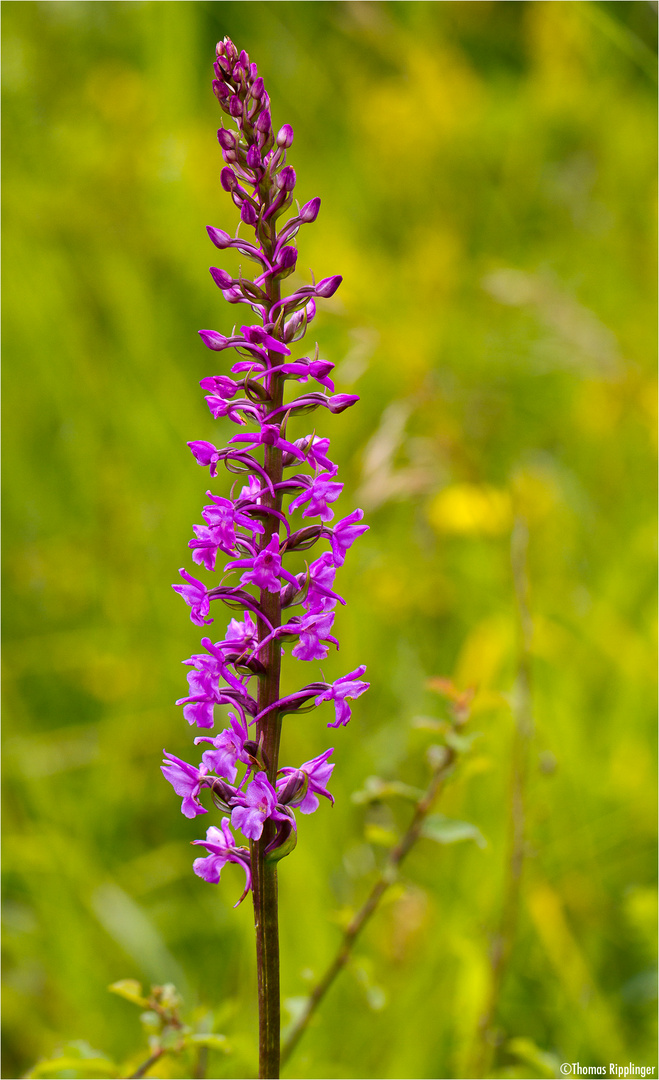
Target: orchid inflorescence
point(252, 528)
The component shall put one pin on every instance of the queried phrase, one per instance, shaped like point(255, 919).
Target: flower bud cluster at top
point(252, 527)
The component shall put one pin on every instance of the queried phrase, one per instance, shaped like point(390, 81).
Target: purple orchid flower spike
point(245, 537)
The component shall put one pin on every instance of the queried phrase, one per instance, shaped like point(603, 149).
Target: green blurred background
point(487, 175)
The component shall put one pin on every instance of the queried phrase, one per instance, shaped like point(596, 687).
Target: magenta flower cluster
point(252, 531)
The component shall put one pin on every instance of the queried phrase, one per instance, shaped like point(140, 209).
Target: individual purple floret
point(344, 534)
point(321, 491)
point(195, 595)
point(206, 454)
point(187, 782)
point(306, 783)
point(348, 686)
point(222, 849)
point(253, 535)
point(264, 569)
point(228, 749)
point(258, 803)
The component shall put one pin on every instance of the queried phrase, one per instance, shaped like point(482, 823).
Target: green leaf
point(375, 995)
point(461, 743)
point(130, 989)
point(85, 1068)
point(209, 1039)
point(77, 1056)
point(375, 788)
point(295, 1007)
point(376, 998)
point(546, 1065)
point(151, 1020)
point(449, 831)
point(376, 834)
point(80, 1047)
point(171, 1039)
point(428, 723)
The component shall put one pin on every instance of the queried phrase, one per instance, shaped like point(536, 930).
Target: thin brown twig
point(387, 878)
point(201, 1063)
point(146, 1065)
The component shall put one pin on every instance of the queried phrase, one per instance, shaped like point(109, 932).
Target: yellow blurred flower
point(471, 510)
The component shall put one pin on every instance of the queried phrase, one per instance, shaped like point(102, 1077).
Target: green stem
point(264, 873)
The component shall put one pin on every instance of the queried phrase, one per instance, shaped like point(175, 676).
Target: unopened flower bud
point(253, 157)
point(228, 178)
point(231, 51)
point(213, 340)
point(303, 538)
point(220, 90)
point(220, 238)
point(235, 107)
point(248, 213)
point(285, 137)
point(226, 139)
point(238, 73)
point(233, 295)
point(286, 178)
point(264, 123)
point(222, 794)
point(253, 72)
point(309, 211)
point(287, 258)
point(294, 785)
point(328, 286)
point(221, 385)
point(255, 751)
point(339, 402)
point(288, 594)
point(298, 321)
point(245, 665)
point(257, 88)
point(221, 278)
point(244, 59)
